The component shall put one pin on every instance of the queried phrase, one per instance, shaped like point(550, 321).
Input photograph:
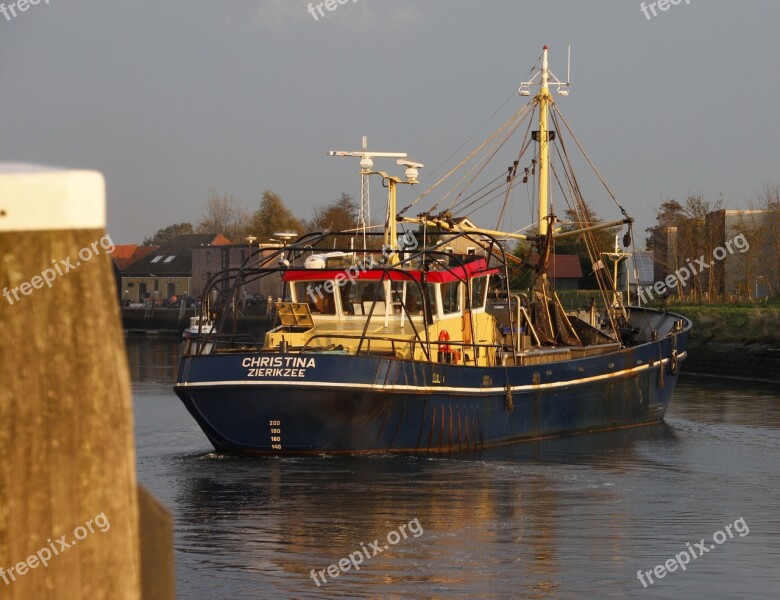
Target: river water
point(575, 517)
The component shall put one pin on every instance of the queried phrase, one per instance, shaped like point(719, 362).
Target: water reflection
point(153, 360)
point(564, 518)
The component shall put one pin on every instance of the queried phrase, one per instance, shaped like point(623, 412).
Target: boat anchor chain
point(509, 404)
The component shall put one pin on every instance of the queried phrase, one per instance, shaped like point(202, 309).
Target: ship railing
point(398, 345)
point(220, 344)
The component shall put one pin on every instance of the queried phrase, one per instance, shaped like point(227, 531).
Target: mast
point(390, 248)
point(366, 166)
point(391, 231)
point(544, 99)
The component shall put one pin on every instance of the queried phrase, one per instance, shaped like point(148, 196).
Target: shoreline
point(735, 342)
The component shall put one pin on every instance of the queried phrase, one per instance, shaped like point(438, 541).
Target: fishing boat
point(396, 347)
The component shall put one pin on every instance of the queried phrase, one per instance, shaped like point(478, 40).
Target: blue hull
point(266, 403)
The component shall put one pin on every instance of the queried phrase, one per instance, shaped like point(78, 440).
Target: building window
point(157, 259)
point(170, 258)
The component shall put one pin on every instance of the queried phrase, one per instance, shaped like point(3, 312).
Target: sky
point(172, 99)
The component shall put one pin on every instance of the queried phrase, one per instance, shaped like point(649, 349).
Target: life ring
point(674, 364)
point(444, 336)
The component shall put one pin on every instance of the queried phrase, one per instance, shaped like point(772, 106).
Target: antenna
point(366, 164)
point(563, 86)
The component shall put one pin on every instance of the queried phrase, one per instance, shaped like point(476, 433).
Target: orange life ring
point(444, 336)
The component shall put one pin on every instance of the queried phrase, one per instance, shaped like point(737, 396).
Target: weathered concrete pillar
point(69, 520)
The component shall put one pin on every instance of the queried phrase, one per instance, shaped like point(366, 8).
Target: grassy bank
point(732, 323)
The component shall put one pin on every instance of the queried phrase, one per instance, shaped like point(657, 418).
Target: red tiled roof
point(126, 254)
point(124, 251)
point(221, 240)
point(563, 266)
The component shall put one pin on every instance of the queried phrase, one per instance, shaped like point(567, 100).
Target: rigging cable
point(508, 123)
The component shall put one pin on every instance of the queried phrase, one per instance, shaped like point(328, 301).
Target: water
point(569, 518)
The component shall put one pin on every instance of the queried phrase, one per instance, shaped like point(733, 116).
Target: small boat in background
point(199, 326)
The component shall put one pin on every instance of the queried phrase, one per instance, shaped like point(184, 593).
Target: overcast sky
point(169, 99)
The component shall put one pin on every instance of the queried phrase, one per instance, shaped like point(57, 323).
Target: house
point(462, 244)
point(565, 271)
point(167, 270)
point(745, 258)
point(639, 267)
point(727, 254)
point(125, 255)
point(210, 260)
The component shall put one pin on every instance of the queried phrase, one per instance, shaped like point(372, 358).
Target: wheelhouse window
point(358, 296)
point(479, 287)
point(410, 291)
point(319, 295)
point(450, 297)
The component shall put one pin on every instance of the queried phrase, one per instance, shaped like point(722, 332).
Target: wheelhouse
point(430, 311)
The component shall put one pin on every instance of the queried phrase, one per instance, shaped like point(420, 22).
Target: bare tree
point(683, 232)
point(223, 214)
point(769, 200)
point(750, 260)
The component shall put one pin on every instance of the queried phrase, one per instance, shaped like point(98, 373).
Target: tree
point(166, 234)
point(602, 240)
point(521, 276)
point(769, 200)
point(682, 234)
point(272, 217)
point(339, 215)
point(223, 214)
point(670, 214)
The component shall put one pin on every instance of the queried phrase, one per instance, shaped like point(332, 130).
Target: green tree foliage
point(602, 240)
point(521, 276)
point(166, 234)
point(272, 217)
point(670, 214)
point(339, 215)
